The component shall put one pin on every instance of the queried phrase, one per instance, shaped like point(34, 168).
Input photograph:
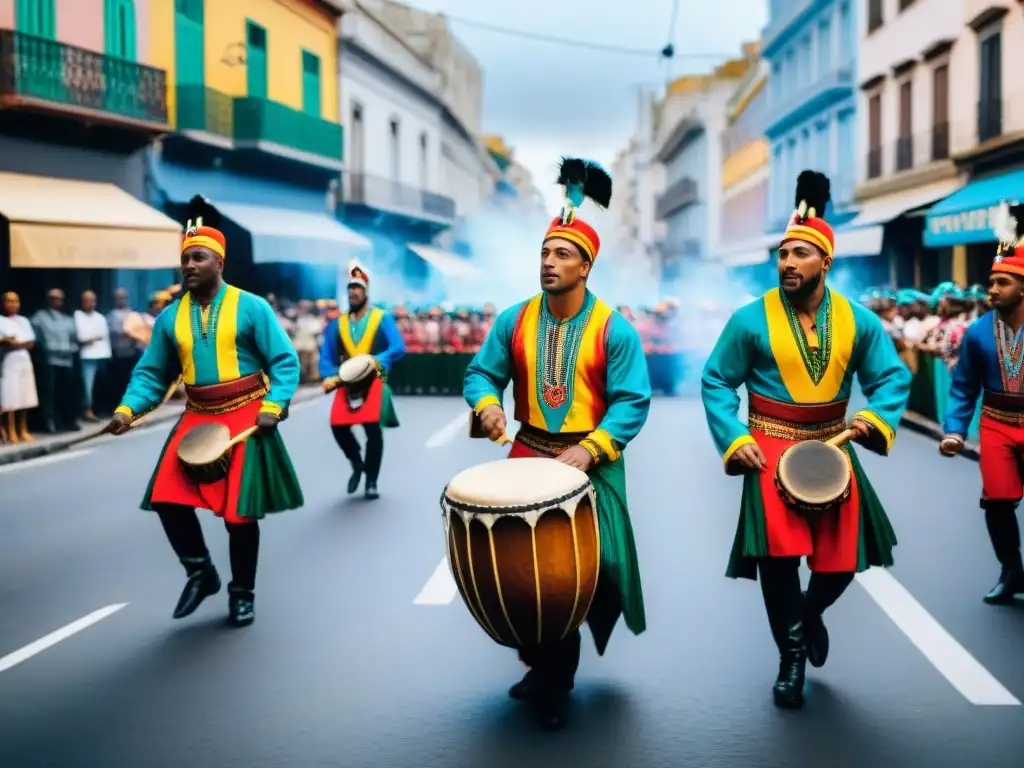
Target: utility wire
point(576, 43)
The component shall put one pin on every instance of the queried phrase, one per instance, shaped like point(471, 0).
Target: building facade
point(745, 247)
point(913, 66)
point(688, 146)
point(255, 110)
point(810, 121)
point(987, 133)
point(82, 94)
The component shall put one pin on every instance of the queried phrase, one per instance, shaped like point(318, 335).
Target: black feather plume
point(200, 212)
point(598, 186)
point(583, 179)
point(1017, 211)
point(813, 190)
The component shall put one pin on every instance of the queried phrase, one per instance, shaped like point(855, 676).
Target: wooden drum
point(813, 477)
point(357, 374)
point(524, 547)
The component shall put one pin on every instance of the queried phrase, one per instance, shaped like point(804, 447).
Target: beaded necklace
point(560, 342)
point(1010, 347)
point(815, 360)
point(204, 320)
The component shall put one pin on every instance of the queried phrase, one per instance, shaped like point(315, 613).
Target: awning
point(447, 264)
point(966, 216)
point(285, 235)
point(859, 241)
point(72, 224)
point(750, 252)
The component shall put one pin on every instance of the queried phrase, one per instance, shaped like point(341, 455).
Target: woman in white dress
point(17, 378)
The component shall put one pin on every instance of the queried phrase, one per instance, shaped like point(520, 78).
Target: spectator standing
point(55, 329)
point(18, 394)
point(124, 349)
point(94, 340)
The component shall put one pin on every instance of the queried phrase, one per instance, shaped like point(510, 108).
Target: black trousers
point(554, 665)
point(181, 524)
point(784, 602)
point(346, 440)
point(1004, 532)
point(60, 404)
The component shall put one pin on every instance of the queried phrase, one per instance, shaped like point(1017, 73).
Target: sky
point(548, 99)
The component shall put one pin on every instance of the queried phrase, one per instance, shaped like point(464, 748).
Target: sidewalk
point(44, 445)
point(933, 429)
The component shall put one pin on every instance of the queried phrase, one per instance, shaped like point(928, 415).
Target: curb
point(917, 423)
point(161, 416)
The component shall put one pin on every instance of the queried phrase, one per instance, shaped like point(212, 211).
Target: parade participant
point(581, 394)
point(239, 370)
point(991, 365)
point(797, 349)
point(363, 330)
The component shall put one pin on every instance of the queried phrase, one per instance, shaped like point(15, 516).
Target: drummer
point(363, 330)
point(239, 369)
point(797, 349)
point(565, 415)
point(990, 367)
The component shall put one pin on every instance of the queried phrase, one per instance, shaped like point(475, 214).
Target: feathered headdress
point(813, 192)
point(1009, 227)
point(582, 179)
point(357, 275)
point(202, 227)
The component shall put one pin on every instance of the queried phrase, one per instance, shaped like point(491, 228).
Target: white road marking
point(952, 660)
point(440, 588)
point(42, 461)
point(447, 433)
point(40, 645)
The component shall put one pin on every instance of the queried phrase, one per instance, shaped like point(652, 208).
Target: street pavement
point(363, 655)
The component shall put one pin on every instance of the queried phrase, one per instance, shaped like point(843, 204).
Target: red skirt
point(830, 540)
point(172, 486)
point(368, 412)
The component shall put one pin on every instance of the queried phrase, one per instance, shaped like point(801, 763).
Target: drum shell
point(213, 472)
point(526, 585)
point(805, 508)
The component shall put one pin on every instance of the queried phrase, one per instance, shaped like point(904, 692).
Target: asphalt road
point(345, 669)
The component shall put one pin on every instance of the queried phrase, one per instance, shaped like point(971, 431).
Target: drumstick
point(842, 438)
point(503, 440)
point(241, 437)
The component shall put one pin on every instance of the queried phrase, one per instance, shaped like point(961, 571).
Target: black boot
point(525, 688)
point(203, 581)
point(357, 475)
point(822, 592)
point(371, 490)
point(815, 636)
point(553, 709)
point(241, 607)
point(789, 685)
point(1003, 531)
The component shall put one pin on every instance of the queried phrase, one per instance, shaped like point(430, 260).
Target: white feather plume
point(1005, 225)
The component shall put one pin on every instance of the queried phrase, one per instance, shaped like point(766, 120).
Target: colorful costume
point(582, 381)
point(991, 365)
point(798, 389)
point(363, 331)
point(236, 362)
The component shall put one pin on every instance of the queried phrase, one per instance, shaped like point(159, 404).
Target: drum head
point(515, 483)
point(204, 444)
point(357, 368)
point(814, 472)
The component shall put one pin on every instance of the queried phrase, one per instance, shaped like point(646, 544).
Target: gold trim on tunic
point(787, 430)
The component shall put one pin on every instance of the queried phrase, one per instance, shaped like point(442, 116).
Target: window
point(310, 84)
point(824, 47)
point(874, 15)
point(905, 142)
point(424, 167)
point(119, 28)
point(255, 60)
point(940, 112)
point(904, 4)
point(36, 17)
point(357, 140)
point(875, 136)
point(396, 167)
point(847, 43)
point(990, 112)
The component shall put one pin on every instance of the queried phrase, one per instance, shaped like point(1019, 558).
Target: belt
point(226, 396)
point(795, 421)
point(546, 443)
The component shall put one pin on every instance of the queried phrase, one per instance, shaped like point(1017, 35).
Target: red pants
point(1002, 451)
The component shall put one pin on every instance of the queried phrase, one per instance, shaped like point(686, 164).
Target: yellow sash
point(366, 342)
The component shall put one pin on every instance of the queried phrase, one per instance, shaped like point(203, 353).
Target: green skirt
point(388, 414)
point(875, 541)
point(267, 483)
point(619, 589)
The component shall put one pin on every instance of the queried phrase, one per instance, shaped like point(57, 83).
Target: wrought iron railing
point(205, 109)
point(904, 153)
point(387, 195)
point(258, 119)
point(940, 141)
point(36, 68)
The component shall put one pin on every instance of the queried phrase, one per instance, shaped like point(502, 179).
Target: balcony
point(904, 153)
point(940, 141)
point(269, 125)
point(783, 20)
point(379, 194)
point(205, 111)
point(679, 195)
point(798, 104)
point(40, 75)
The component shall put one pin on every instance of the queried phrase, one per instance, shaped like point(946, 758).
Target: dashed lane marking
point(50, 640)
point(42, 461)
point(447, 433)
point(440, 588)
point(952, 660)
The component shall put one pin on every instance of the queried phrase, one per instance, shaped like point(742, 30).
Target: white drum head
point(516, 483)
point(356, 368)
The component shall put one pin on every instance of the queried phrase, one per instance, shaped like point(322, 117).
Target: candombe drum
point(813, 476)
point(205, 452)
point(357, 375)
point(524, 547)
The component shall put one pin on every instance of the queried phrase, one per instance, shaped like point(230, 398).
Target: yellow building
point(258, 71)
